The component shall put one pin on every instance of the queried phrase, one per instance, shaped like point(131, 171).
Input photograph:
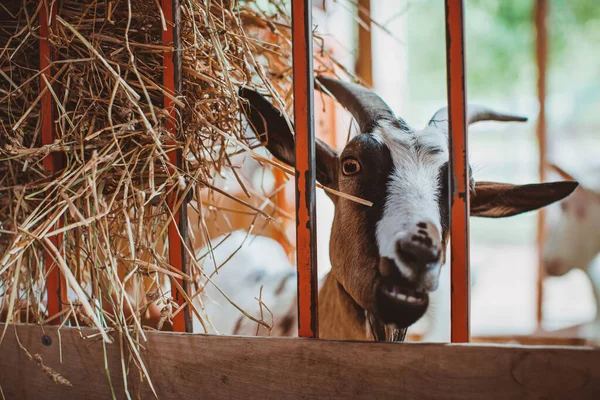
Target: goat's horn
point(564, 174)
point(475, 113)
point(366, 106)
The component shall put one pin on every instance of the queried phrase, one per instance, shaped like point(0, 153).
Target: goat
point(252, 268)
point(386, 258)
point(573, 241)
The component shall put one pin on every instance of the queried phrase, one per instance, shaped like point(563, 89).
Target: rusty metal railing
point(306, 224)
point(178, 230)
point(55, 284)
point(305, 164)
point(305, 170)
point(459, 172)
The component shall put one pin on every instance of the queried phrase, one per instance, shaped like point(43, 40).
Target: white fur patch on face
point(412, 193)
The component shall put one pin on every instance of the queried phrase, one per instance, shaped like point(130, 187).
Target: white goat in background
point(258, 273)
point(574, 239)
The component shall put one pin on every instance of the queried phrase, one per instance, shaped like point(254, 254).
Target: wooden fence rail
point(209, 367)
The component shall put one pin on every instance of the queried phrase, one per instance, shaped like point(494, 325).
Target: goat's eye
point(350, 166)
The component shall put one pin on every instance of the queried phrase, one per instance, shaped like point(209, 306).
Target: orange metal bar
point(541, 16)
point(306, 244)
point(51, 162)
point(459, 172)
point(364, 61)
point(172, 80)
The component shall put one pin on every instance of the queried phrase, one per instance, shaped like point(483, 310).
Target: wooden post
point(178, 229)
point(541, 46)
point(459, 172)
point(306, 244)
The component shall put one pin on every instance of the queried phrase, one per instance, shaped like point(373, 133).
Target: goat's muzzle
point(417, 257)
point(408, 277)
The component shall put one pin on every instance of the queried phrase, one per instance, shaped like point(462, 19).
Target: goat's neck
point(339, 315)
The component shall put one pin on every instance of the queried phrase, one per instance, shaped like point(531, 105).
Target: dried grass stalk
point(109, 204)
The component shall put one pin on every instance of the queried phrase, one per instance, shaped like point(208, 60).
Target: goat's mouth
point(403, 294)
point(398, 303)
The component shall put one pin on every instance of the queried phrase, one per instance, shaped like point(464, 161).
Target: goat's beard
point(383, 333)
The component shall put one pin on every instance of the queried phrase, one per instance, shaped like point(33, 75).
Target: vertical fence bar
point(52, 161)
point(306, 245)
point(459, 172)
point(541, 43)
point(172, 80)
point(364, 61)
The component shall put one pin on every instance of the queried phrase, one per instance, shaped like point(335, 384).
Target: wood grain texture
point(187, 366)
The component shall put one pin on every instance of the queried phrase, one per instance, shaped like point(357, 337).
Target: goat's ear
point(272, 130)
point(497, 200)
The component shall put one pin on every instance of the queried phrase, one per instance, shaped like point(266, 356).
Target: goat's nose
point(417, 253)
point(421, 247)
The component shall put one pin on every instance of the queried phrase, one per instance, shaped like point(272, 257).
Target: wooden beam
point(221, 367)
point(541, 46)
point(533, 340)
point(458, 167)
point(306, 221)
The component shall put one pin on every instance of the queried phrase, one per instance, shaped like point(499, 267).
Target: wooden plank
point(541, 46)
point(459, 172)
point(306, 223)
point(217, 367)
point(178, 229)
point(533, 340)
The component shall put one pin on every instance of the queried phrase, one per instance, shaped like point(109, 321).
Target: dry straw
point(109, 204)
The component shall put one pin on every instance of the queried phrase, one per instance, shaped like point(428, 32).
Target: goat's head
point(388, 256)
point(573, 240)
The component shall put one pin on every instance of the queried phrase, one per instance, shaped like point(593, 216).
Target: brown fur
point(339, 315)
point(350, 291)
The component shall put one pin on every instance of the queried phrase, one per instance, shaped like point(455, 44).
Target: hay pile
point(109, 203)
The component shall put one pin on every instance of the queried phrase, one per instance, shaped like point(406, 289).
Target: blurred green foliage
point(500, 40)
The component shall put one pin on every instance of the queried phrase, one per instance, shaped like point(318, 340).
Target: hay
point(111, 203)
